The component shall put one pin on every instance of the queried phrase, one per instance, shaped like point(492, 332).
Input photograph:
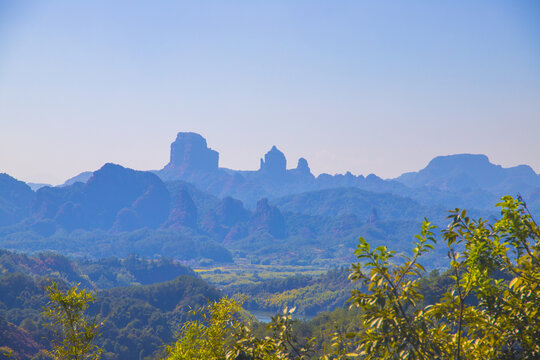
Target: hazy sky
point(367, 86)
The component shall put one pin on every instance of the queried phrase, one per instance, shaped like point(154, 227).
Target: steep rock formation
point(114, 187)
point(302, 167)
point(189, 152)
point(231, 211)
point(269, 219)
point(302, 171)
point(184, 212)
point(274, 163)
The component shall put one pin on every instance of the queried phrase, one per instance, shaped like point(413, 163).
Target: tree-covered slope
point(352, 201)
point(137, 320)
point(100, 273)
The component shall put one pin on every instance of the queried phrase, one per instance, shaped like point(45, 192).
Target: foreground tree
point(74, 333)
point(219, 333)
point(490, 312)
point(206, 337)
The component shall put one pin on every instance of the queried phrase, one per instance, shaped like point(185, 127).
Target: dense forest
point(485, 305)
point(139, 320)
point(141, 302)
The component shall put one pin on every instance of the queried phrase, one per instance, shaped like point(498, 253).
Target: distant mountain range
point(466, 173)
point(455, 180)
point(194, 210)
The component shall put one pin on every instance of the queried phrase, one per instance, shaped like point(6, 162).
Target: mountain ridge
point(196, 211)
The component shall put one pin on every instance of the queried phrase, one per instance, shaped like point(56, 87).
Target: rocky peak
point(114, 198)
point(373, 179)
point(302, 172)
point(231, 211)
point(274, 162)
point(303, 166)
point(269, 219)
point(184, 212)
point(190, 152)
point(263, 206)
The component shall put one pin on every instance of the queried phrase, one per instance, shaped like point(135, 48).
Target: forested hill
point(138, 319)
point(195, 211)
point(101, 273)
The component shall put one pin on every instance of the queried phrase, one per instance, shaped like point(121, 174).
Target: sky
point(363, 86)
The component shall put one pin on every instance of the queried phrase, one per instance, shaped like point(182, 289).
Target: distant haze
point(362, 86)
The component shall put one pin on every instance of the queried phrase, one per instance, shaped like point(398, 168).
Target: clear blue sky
point(367, 86)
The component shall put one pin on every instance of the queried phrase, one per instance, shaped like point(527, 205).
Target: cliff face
point(268, 219)
point(184, 212)
point(274, 163)
point(462, 180)
point(231, 212)
point(191, 160)
point(189, 152)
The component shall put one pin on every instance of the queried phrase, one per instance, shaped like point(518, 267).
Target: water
point(266, 316)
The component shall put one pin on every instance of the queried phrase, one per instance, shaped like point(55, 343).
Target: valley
point(152, 245)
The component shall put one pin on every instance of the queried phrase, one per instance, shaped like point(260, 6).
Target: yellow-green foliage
point(490, 312)
point(313, 295)
point(74, 334)
point(206, 338)
point(231, 276)
point(221, 335)
point(270, 289)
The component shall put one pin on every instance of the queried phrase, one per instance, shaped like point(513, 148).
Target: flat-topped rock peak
point(190, 152)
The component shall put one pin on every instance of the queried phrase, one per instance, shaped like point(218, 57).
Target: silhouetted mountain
point(192, 161)
point(466, 171)
point(114, 197)
point(204, 211)
point(190, 153)
point(274, 164)
point(302, 171)
point(467, 180)
point(118, 211)
point(15, 200)
point(445, 182)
